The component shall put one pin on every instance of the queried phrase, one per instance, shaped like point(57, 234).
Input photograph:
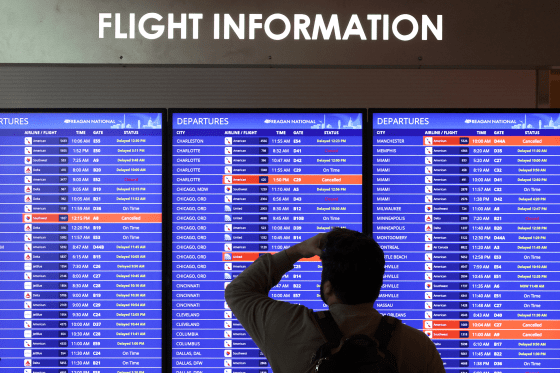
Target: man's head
point(354, 264)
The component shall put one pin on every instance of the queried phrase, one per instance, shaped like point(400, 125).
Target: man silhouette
point(353, 268)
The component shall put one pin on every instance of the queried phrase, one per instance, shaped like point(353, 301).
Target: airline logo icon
point(28, 140)
point(27, 247)
point(28, 208)
point(27, 305)
point(227, 256)
point(428, 141)
point(428, 160)
point(228, 266)
point(227, 343)
point(227, 334)
point(428, 276)
point(27, 189)
point(28, 150)
point(227, 217)
point(429, 179)
point(27, 362)
point(28, 160)
point(226, 306)
point(228, 141)
point(428, 150)
point(228, 227)
point(227, 324)
point(428, 189)
point(227, 353)
point(226, 284)
point(228, 150)
point(27, 333)
point(27, 314)
point(227, 237)
point(428, 237)
point(428, 228)
point(428, 208)
point(27, 237)
point(228, 160)
point(428, 246)
point(228, 315)
point(427, 266)
point(427, 314)
point(429, 170)
point(228, 199)
point(227, 363)
point(228, 169)
point(28, 170)
point(27, 198)
point(428, 286)
point(428, 295)
point(428, 218)
point(428, 256)
point(228, 179)
point(27, 343)
point(227, 276)
point(228, 189)
point(428, 324)
point(428, 305)
point(27, 217)
point(27, 295)
point(428, 333)
point(27, 266)
point(27, 285)
point(228, 247)
point(428, 199)
point(227, 208)
point(27, 228)
point(28, 179)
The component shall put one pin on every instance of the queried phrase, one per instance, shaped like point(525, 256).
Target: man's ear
point(327, 289)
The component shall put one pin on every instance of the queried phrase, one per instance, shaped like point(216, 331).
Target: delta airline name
point(299, 27)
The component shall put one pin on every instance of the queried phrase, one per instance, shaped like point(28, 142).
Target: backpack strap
point(383, 336)
point(330, 331)
point(328, 326)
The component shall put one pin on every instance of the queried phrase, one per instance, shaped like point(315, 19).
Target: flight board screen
point(465, 206)
point(245, 184)
point(80, 242)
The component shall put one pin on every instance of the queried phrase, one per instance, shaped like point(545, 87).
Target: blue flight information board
point(466, 208)
point(246, 184)
point(80, 242)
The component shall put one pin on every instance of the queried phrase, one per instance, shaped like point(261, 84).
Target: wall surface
point(473, 33)
point(35, 86)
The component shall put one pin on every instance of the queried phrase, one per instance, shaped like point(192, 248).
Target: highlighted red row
point(93, 218)
point(292, 179)
point(492, 140)
point(494, 334)
point(493, 324)
point(251, 257)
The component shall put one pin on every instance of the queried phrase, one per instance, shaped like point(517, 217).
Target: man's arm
point(247, 294)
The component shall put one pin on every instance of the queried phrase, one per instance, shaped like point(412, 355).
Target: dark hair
point(354, 264)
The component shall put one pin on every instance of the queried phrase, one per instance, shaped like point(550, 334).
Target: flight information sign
point(245, 184)
point(80, 242)
point(466, 206)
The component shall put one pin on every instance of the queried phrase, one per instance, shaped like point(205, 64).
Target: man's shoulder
point(410, 332)
point(415, 351)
